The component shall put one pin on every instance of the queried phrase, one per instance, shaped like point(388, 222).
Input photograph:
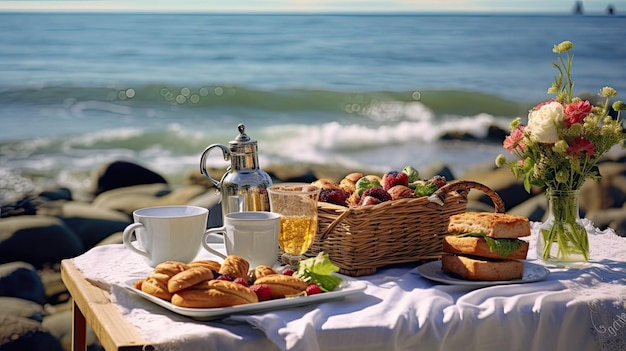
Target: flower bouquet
point(558, 149)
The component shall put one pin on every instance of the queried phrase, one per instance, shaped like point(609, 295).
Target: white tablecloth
point(572, 309)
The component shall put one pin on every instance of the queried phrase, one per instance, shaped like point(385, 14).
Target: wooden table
point(92, 306)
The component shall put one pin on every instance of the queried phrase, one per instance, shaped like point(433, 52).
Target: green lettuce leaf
point(319, 270)
point(504, 247)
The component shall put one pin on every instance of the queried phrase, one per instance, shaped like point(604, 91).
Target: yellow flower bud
point(553, 89)
point(515, 123)
point(608, 92)
point(564, 46)
point(560, 147)
point(500, 160)
point(619, 106)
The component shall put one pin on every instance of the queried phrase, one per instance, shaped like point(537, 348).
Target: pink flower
point(543, 103)
point(576, 112)
point(579, 145)
point(515, 139)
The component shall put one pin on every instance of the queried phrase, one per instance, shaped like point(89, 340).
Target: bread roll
point(189, 277)
point(495, 225)
point(213, 294)
point(349, 181)
point(235, 267)
point(263, 270)
point(282, 285)
point(479, 247)
point(156, 285)
point(170, 267)
point(212, 265)
point(472, 268)
point(325, 184)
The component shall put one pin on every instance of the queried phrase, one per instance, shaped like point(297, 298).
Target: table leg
point(79, 329)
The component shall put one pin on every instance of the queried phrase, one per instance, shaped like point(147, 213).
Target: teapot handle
point(205, 154)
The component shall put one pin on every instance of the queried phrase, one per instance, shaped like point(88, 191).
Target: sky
point(517, 6)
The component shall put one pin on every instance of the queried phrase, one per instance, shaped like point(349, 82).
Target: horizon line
point(303, 12)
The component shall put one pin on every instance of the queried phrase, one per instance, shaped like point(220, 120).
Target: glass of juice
point(296, 203)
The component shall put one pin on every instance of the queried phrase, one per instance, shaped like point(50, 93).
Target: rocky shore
point(40, 229)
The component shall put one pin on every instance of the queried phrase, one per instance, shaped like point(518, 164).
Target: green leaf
point(527, 185)
point(325, 282)
point(319, 270)
point(504, 247)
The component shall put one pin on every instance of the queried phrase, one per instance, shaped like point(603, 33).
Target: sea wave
point(179, 147)
point(383, 130)
point(374, 104)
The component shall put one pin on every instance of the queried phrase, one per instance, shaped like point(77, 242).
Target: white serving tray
point(347, 287)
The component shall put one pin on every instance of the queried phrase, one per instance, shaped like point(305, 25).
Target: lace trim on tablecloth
point(602, 286)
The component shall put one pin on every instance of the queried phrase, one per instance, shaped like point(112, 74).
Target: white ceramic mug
point(167, 233)
point(252, 235)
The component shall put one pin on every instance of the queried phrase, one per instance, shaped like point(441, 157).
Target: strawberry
point(262, 291)
point(439, 180)
point(377, 192)
point(288, 271)
point(334, 196)
point(392, 178)
point(313, 289)
point(241, 281)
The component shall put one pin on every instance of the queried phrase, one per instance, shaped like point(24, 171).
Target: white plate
point(432, 270)
point(347, 287)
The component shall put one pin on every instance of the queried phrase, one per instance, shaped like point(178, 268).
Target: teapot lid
point(242, 139)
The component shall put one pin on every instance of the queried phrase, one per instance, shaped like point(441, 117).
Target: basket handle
point(333, 225)
point(463, 187)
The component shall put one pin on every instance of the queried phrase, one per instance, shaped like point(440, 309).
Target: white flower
point(608, 92)
point(543, 122)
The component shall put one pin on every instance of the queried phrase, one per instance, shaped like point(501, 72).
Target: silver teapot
point(243, 186)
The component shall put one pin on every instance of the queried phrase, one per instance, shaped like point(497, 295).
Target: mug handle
point(213, 232)
point(127, 236)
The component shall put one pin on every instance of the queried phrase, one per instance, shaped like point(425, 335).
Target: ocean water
point(375, 91)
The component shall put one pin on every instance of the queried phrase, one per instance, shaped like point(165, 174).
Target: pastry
point(189, 277)
point(349, 181)
point(263, 270)
point(170, 267)
point(235, 267)
point(214, 294)
point(282, 285)
point(156, 285)
point(325, 184)
point(212, 265)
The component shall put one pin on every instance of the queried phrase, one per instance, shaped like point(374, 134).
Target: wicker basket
point(361, 239)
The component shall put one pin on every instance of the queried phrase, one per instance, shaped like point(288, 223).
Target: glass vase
point(562, 239)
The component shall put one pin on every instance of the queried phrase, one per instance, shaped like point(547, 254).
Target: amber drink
point(297, 234)
point(297, 205)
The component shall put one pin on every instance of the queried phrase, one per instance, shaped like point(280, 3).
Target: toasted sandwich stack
point(486, 246)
